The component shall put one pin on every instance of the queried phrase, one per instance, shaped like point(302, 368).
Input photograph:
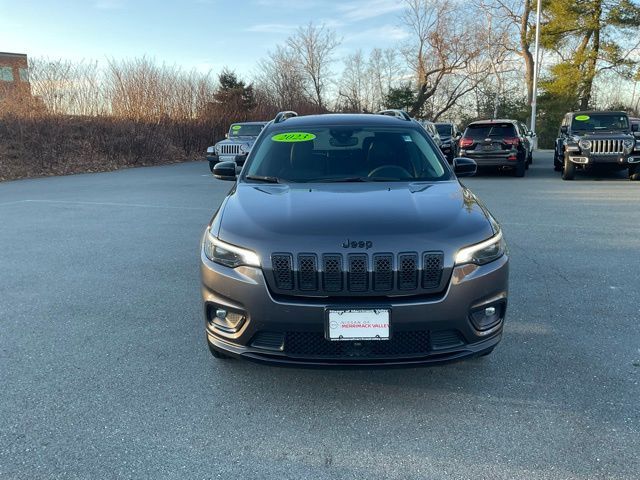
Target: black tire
point(569, 169)
point(530, 158)
point(520, 168)
point(211, 165)
point(557, 162)
point(217, 353)
point(634, 172)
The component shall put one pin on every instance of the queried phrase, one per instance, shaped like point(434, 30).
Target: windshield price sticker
point(293, 137)
point(582, 118)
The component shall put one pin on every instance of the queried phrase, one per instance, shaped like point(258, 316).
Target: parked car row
point(585, 139)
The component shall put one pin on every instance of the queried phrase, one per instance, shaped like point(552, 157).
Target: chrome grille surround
point(607, 147)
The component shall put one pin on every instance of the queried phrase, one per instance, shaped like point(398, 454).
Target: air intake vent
point(268, 341)
point(358, 273)
point(432, 269)
point(408, 271)
point(332, 272)
point(382, 272)
point(283, 271)
point(307, 272)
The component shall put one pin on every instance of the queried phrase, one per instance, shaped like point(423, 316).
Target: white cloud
point(358, 10)
point(371, 35)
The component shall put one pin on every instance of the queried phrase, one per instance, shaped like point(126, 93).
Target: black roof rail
point(282, 116)
point(393, 112)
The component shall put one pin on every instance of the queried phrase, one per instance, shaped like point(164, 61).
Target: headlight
point(244, 149)
point(226, 254)
point(628, 144)
point(586, 144)
point(483, 252)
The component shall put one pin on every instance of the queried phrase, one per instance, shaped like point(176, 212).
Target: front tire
point(211, 165)
point(634, 172)
point(569, 169)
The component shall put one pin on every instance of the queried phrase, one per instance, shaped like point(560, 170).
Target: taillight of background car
point(466, 142)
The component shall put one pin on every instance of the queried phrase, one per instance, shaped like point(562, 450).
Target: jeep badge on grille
point(357, 244)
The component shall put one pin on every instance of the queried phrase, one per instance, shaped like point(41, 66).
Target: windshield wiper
point(262, 178)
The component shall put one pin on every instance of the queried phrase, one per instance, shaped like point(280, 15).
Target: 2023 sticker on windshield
point(293, 137)
point(582, 118)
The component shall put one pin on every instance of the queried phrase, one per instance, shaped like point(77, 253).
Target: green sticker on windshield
point(293, 137)
point(236, 127)
point(582, 118)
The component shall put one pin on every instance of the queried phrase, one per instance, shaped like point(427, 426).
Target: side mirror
point(635, 127)
point(225, 171)
point(464, 167)
point(563, 129)
point(226, 135)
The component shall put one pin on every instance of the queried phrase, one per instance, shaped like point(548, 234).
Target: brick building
point(14, 76)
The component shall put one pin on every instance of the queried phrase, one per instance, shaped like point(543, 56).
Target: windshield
point(599, 121)
point(345, 153)
point(444, 129)
point(487, 130)
point(244, 130)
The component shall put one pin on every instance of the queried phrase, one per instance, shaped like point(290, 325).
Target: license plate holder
point(358, 324)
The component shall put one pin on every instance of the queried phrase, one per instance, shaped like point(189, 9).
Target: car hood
point(610, 135)
point(321, 218)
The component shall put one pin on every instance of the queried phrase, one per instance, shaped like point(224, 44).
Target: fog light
point(226, 320)
point(487, 316)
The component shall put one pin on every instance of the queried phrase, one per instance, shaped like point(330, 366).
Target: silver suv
point(236, 145)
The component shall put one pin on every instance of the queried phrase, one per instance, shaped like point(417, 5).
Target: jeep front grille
point(607, 147)
point(357, 273)
point(230, 149)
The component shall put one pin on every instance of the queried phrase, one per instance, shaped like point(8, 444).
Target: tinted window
point(444, 129)
point(599, 121)
point(487, 130)
point(345, 153)
point(239, 129)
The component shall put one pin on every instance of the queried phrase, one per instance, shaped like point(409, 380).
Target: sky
point(202, 34)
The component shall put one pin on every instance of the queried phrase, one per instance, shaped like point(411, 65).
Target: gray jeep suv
point(237, 144)
point(348, 240)
point(597, 139)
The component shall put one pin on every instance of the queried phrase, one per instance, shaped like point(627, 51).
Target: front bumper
point(611, 160)
point(436, 328)
point(239, 159)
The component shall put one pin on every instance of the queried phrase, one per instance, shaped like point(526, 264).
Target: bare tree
point(438, 47)
point(281, 79)
point(314, 48)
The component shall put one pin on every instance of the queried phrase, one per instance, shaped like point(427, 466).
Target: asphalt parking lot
point(104, 370)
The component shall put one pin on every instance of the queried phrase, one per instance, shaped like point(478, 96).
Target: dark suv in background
point(348, 240)
point(604, 139)
point(497, 143)
point(449, 135)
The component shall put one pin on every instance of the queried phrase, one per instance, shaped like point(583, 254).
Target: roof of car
point(249, 123)
point(591, 112)
point(494, 120)
point(359, 119)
